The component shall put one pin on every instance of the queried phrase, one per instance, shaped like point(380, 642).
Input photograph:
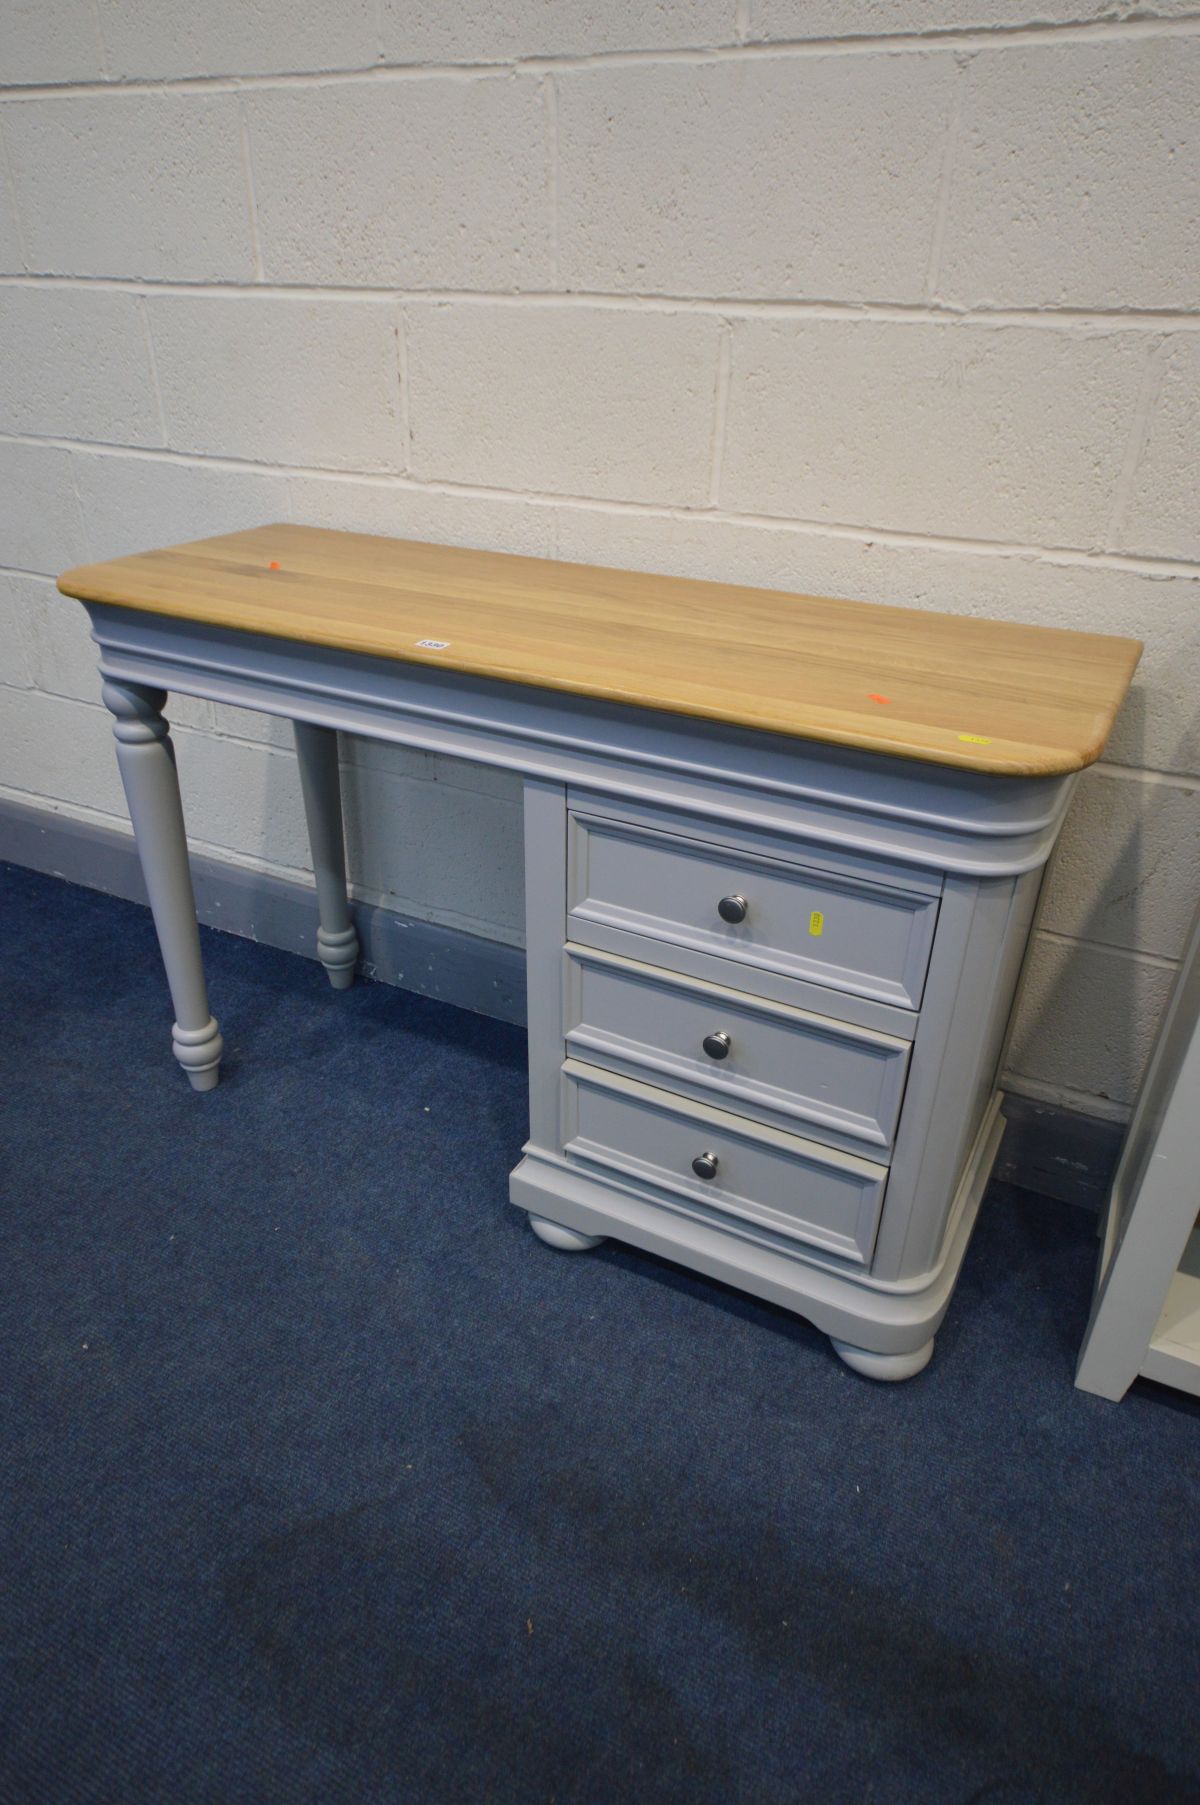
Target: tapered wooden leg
point(337, 942)
point(147, 761)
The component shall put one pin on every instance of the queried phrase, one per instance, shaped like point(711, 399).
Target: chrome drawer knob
point(705, 1165)
point(732, 908)
point(717, 1045)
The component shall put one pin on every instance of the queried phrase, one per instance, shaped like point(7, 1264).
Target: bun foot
point(567, 1240)
point(883, 1366)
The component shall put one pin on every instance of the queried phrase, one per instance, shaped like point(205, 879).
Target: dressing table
point(782, 856)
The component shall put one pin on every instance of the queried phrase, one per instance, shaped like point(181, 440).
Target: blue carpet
point(324, 1481)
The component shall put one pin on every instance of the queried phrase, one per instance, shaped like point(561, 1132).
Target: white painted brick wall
point(440, 873)
point(449, 187)
point(574, 401)
point(1127, 871)
point(49, 40)
point(510, 523)
point(132, 184)
point(147, 38)
point(1163, 515)
point(993, 432)
point(734, 178)
point(1047, 206)
point(1087, 1020)
point(40, 518)
point(285, 379)
point(12, 254)
point(242, 797)
point(58, 751)
point(75, 364)
point(129, 503)
point(475, 31)
point(883, 298)
point(797, 19)
point(15, 657)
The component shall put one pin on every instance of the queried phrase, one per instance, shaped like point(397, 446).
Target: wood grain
point(983, 695)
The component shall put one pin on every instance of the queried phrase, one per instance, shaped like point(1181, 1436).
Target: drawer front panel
point(800, 1072)
point(793, 1188)
point(837, 931)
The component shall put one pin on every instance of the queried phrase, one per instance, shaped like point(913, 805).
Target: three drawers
point(738, 1019)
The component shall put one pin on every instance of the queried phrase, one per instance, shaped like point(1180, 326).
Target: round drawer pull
point(732, 908)
point(705, 1165)
point(717, 1045)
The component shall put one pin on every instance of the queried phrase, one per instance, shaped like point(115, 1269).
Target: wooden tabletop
point(985, 695)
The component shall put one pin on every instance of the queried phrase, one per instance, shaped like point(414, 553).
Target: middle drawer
point(777, 1064)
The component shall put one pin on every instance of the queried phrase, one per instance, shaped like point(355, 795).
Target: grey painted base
point(1056, 1152)
point(883, 1331)
point(887, 1367)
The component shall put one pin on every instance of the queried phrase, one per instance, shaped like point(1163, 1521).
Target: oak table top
point(990, 696)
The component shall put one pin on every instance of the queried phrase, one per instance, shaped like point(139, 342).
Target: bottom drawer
point(749, 1173)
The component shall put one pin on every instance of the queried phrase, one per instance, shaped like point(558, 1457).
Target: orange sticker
point(872, 697)
point(274, 564)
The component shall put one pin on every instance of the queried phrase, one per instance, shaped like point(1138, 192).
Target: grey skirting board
point(443, 962)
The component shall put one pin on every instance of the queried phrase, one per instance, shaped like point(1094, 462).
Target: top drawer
point(773, 914)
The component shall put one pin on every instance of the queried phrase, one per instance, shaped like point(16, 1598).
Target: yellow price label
point(975, 739)
point(816, 923)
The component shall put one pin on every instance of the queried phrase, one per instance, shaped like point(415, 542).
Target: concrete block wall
point(881, 298)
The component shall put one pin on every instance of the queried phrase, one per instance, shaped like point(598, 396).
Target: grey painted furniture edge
point(930, 816)
point(320, 784)
point(147, 763)
point(976, 843)
point(1150, 1246)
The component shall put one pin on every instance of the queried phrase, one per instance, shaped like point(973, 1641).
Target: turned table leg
point(147, 761)
point(337, 942)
